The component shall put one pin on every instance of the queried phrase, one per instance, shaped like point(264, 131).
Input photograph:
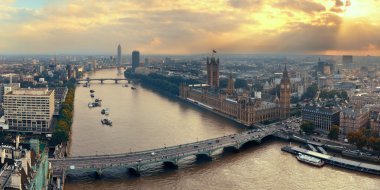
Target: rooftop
point(324, 110)
point(31, 92)
point(350, 112)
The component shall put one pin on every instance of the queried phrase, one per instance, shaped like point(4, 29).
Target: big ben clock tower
point(285, 95)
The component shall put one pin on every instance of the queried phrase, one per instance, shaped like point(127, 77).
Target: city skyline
point(185, 27)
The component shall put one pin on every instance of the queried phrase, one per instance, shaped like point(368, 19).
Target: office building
point(135, 59)
point(364, 99)
point(118, 59)
point(352, 120)
point(59, 98)
point(29, 110)
point(375, 119)
point(348, 61)
point(71, 72)
point(322, 118)
point(5, 88)
point(325, 68)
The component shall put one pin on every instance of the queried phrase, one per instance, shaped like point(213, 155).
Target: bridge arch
point(109, 80)
point(232, 148)
point(266, 138)
point(132, 171)
point(255, 141)
point(74, 175)
point(169, 164)
point(203, 156)
point(249, 143)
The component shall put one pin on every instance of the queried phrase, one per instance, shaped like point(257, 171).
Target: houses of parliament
point(244, 108)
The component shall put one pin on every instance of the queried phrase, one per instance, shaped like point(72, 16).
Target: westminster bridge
point(167, 156)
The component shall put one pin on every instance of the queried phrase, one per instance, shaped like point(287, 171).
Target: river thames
point(143, 119)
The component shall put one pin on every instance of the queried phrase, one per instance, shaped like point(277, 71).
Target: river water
point(143, 119)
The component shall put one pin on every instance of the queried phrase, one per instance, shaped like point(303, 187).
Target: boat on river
point(310, 160)
point(94, 104)
point(106, 121)
point(105, 111)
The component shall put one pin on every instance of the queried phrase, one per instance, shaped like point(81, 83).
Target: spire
point(276, 99)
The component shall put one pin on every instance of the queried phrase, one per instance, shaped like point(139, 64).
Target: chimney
point(2, 155)
point(17, 141)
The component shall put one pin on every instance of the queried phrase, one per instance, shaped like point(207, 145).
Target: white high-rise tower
point(118, 61)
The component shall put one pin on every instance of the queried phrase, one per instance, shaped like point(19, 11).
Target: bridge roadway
point(167, 155)
point(116, 80)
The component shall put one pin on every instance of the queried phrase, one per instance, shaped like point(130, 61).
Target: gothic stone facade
point(244, 109)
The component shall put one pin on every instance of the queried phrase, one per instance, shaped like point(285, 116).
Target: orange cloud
point(188, 26)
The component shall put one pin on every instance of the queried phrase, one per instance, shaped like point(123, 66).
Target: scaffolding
point(41, 168)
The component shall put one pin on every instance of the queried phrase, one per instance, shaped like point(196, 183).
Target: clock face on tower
point(282, 86)
point(287, 86)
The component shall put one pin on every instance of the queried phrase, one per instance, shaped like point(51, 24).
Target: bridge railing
point(88, 163)
point(103, 79)
point(145, 151)
point(152, 150)
point(168, 156)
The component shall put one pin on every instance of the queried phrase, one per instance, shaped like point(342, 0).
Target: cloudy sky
point(190, 26)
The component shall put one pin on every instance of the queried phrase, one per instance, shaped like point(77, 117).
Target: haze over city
point(189, 94)
point(189, 26)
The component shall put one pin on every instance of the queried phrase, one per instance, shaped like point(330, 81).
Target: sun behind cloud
point(190, 26)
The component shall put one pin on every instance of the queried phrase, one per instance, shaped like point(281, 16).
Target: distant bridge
point(168, 156)
point(88, 80)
